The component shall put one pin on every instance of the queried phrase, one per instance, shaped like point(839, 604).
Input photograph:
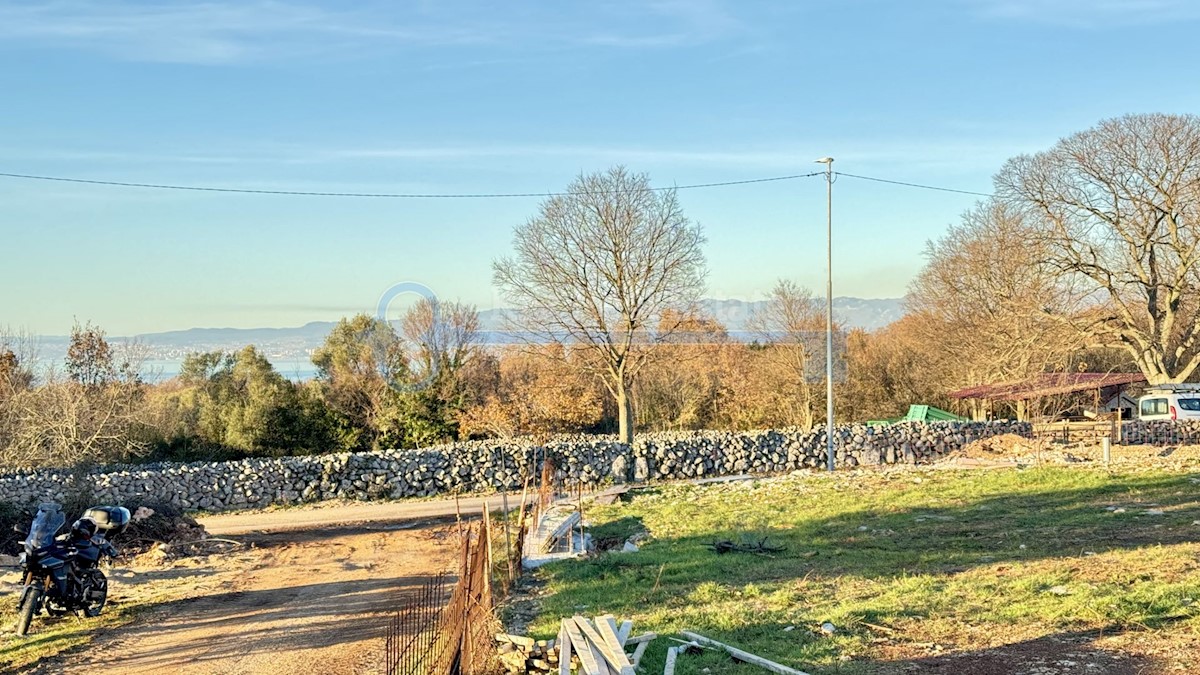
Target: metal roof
point(1047, 384)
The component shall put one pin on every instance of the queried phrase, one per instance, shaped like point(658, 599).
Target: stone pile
point(482, 466)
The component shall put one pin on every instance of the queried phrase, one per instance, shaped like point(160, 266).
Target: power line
point(477, 195)
point(913, 185)
point(383, 195)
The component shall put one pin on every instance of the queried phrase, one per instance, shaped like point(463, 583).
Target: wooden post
point(582, 541)
point(508, 547)
point(520, 552)
point(487, 548)
point(458, 514)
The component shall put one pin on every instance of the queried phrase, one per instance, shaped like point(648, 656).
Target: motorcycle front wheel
point(95, 594)
point(29, 605)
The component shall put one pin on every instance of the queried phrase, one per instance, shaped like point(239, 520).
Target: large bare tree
point(599, 266)
point(988, 306)
point(1117, 210)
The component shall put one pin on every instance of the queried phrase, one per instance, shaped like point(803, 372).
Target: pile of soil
point(997, 448)
point(1012, 448)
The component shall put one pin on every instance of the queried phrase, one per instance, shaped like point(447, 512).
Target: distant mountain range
point(301, 340)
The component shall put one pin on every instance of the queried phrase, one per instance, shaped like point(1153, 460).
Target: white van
point(1170, 402)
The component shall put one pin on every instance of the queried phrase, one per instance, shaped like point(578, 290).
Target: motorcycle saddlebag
point(111, 520)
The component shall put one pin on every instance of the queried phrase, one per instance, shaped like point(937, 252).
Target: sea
point(298, 369)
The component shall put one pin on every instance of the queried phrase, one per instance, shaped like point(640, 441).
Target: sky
point(485, 97)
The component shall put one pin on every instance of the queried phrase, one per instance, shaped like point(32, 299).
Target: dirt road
point(312, 601)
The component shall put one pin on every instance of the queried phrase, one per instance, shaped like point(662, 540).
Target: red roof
point(1047, 384)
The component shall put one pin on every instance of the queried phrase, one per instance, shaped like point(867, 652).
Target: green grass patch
point(49, 637)
point(897, 562)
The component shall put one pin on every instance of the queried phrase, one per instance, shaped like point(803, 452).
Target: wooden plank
point(638, 639)
point(744, 656)
point(637, 653)
point(606, 626)
point(587, 658)
point(615, 656)
point(608, 619)
point(611, 495)
point(669, 669)
point(625, 631)
point(564, 650)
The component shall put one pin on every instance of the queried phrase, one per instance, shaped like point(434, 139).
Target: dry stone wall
point(483, 466)
point(1160, 432)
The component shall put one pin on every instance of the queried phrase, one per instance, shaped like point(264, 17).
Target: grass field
point(49, 637)
point(1000, 571)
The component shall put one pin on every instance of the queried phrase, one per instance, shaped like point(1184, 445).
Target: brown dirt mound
point(1002, 447)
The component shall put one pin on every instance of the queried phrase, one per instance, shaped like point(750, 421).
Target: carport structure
point(1105, 386)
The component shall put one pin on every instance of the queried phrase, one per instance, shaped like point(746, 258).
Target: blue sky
point(518, 96)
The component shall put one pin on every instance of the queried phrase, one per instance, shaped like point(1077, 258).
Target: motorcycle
point(61, 572)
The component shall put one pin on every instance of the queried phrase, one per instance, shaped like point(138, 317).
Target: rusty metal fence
point(411, 632)
point(434, 635)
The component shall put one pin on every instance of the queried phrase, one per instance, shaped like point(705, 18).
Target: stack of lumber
point(598, 647)
point(585, 646)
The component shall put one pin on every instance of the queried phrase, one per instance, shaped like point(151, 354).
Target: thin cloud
point(222, 32)
point(1090, 14)
point(966, 151)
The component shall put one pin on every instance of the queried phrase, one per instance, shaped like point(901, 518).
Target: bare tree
point(599, 266)
point(1117, 207)
point(681, 387)
point(63, 422)
point(791, 329)
point(991, 302)
point(444, 334)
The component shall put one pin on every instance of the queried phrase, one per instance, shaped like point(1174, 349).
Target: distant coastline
point(290, 349)
point(297, 370)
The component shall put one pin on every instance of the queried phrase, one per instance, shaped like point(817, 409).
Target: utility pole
point(828, 162)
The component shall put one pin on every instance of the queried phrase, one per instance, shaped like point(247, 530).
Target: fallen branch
point(203, 541)
point(759, 547)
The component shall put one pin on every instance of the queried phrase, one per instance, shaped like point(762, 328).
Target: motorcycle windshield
point(45, 525)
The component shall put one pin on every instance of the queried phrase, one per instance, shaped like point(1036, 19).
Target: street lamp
point(828, 162)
